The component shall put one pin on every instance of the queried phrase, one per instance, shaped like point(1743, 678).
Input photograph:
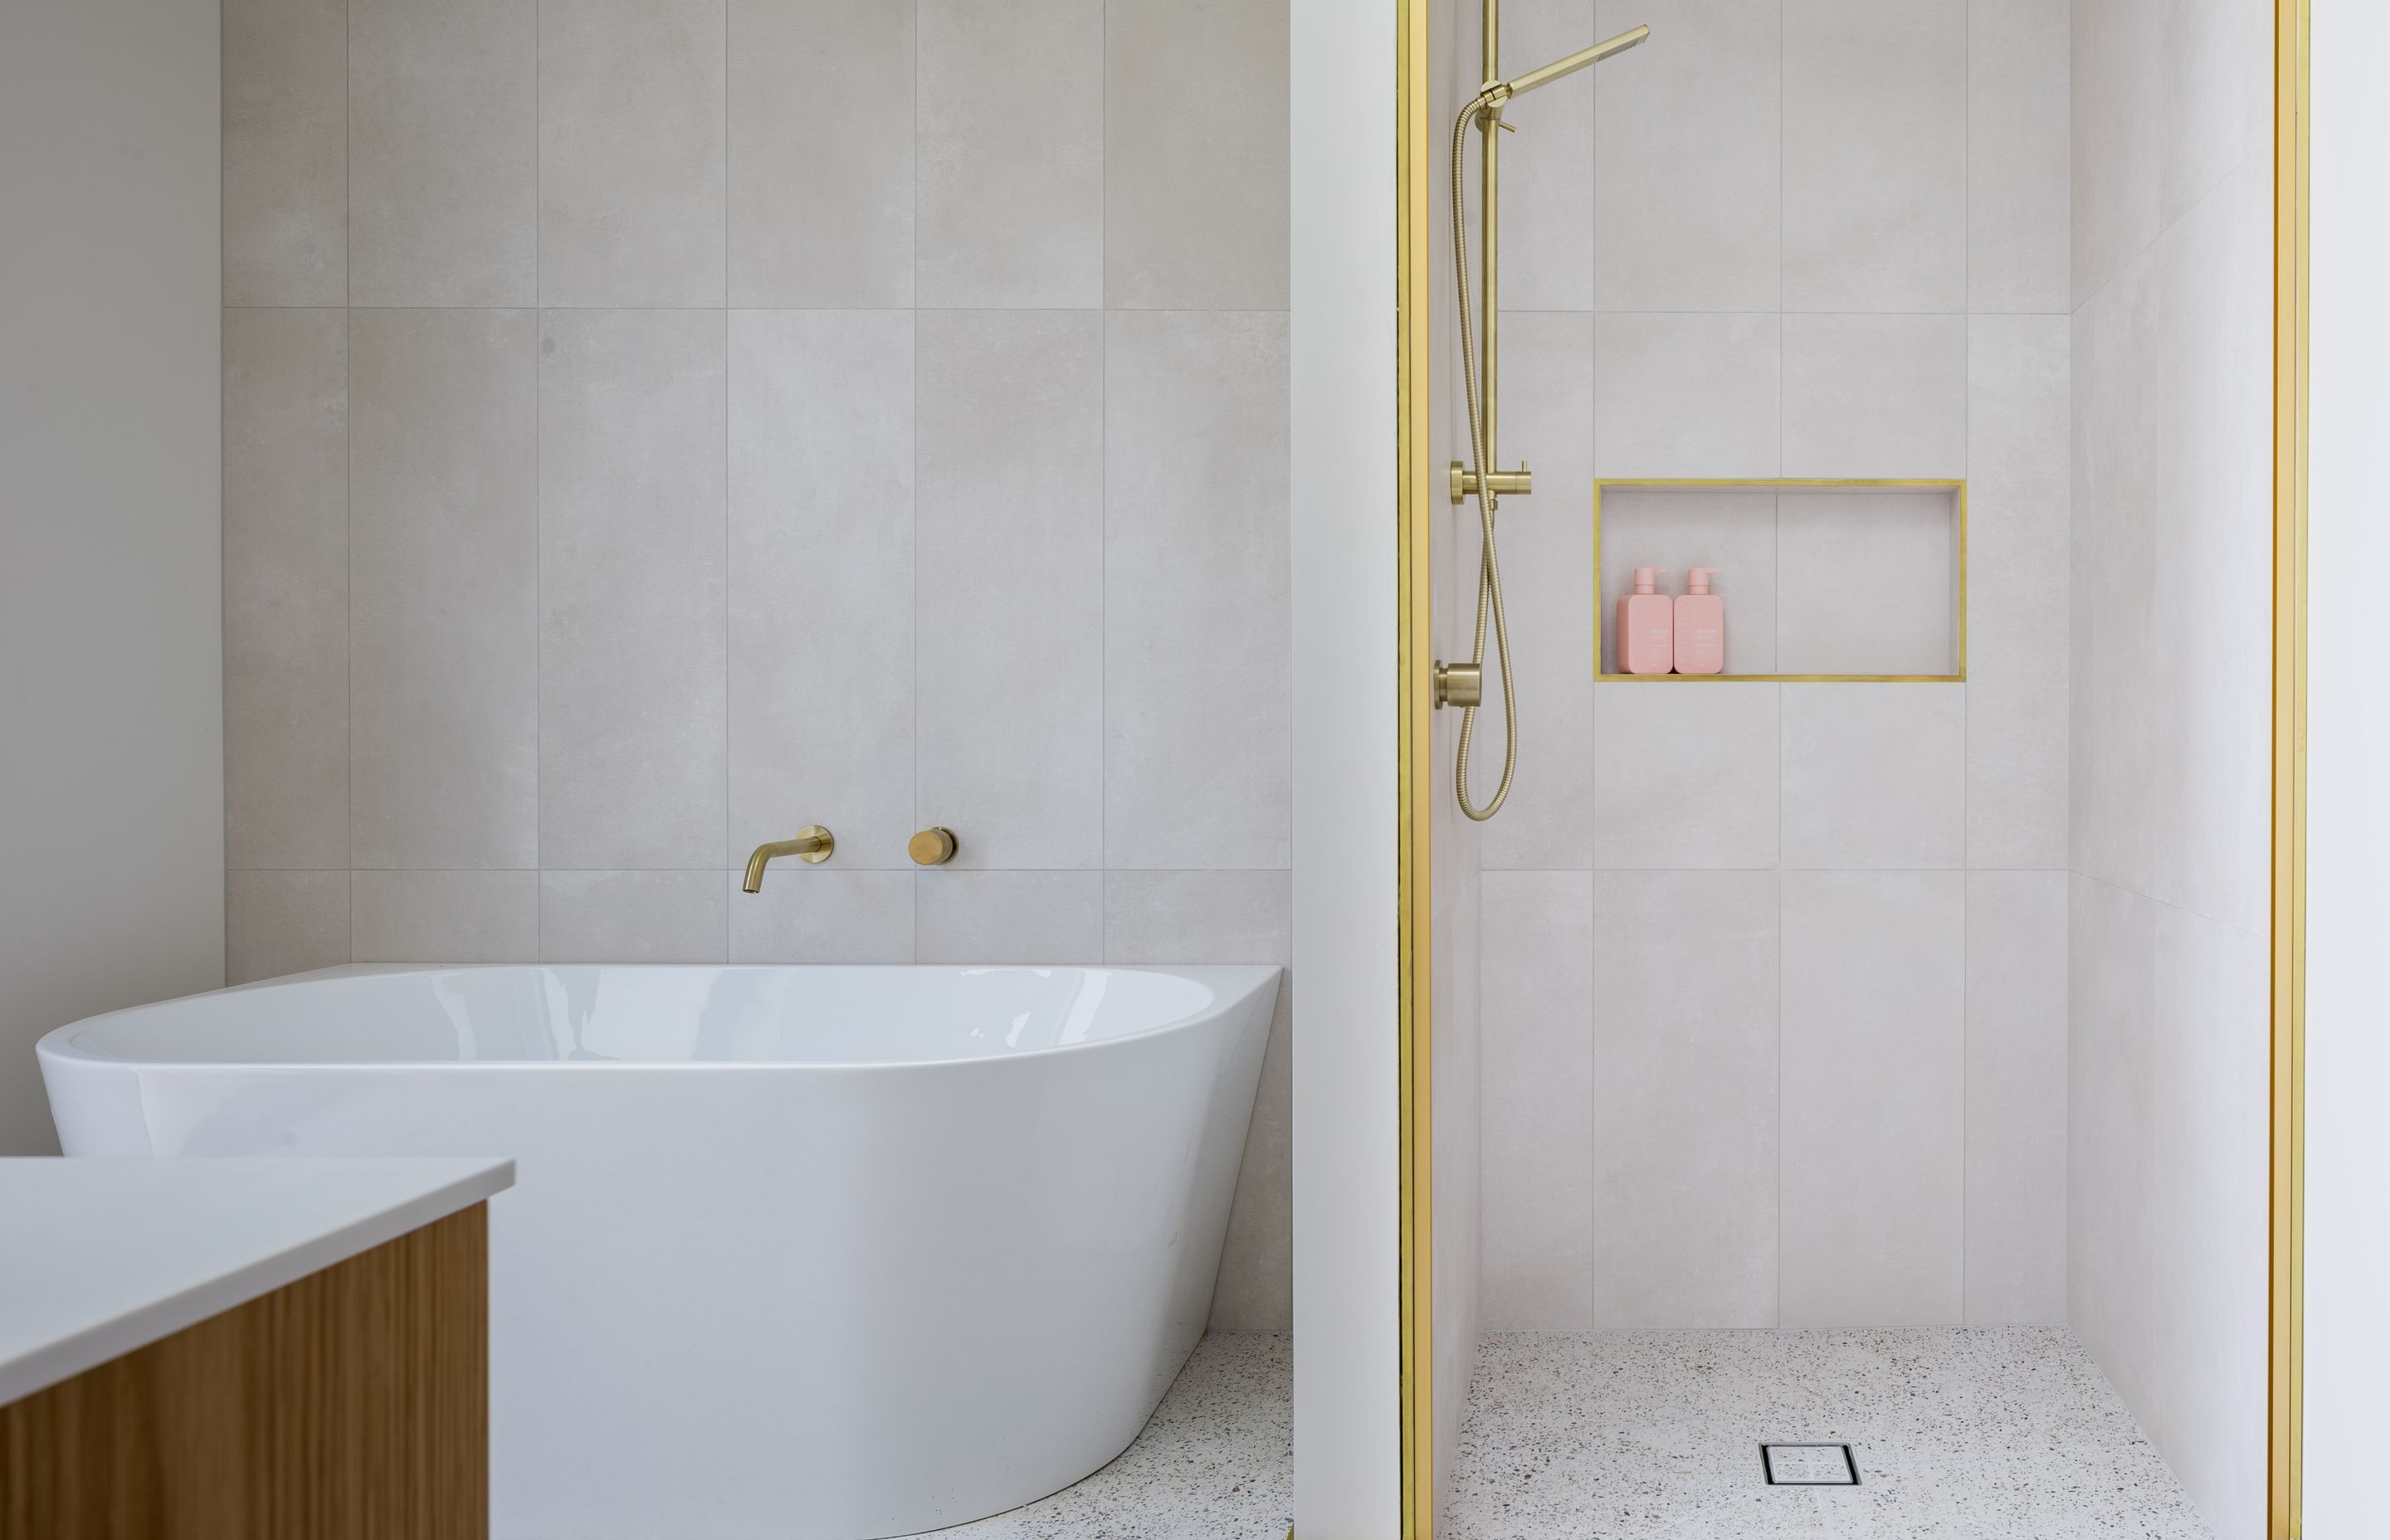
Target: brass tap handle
point(934, 846)
point(1460, 684)
point(813, 845)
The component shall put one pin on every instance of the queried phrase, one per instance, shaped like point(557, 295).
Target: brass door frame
point(2286, 1235)
point(2286, 1239)
point(1415, 784)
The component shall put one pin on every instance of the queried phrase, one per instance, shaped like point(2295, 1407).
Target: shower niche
point(1853, 580)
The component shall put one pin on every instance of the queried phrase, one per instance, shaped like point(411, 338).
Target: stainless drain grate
point(1809, 1465)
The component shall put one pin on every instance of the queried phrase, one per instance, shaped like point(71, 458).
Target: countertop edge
point(63, 1359)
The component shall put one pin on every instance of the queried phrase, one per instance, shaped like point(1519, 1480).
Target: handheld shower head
point(1582, 58)
point(1485, 110)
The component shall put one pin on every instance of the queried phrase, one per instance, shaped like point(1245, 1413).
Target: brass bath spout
point(812, 844)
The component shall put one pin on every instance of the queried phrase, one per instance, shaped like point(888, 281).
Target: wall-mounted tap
point(813, 845)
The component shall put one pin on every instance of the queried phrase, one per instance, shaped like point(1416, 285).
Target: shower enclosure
point(1902, 1011)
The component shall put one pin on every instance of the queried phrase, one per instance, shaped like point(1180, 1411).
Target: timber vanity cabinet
point(288, 1349)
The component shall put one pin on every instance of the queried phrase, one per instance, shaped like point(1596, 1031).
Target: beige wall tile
point(632, 136)
point(286, 580)
point(1685, 1101)
point(1458, 1173)
point(2018, 663)
point(1686, 395)
point(1547, 177)
point(1685, 775)
point(444, 153)
point(2209, 1164)
point(1874, 775)
point(2215, 61)
point(2016, 1098)
point(821, 581)
point(1197, 728)
point(278, 922)
point(1009, 917)
point(1010, 585)
point(444, 544)
point(825, 914)
point(1875, 396)
point(2211, 683)
point(820, 119)
point(1195, 220)
point(2116, 77)
point(1874, 1153)
point(1875, 154)
point(2112, 739)
point(2017, 157)
point(476, 916)
point(1011, 153)
point(1185, 919)
point(1538, 1051)
point(1689, 159)
point(632, 418)
point(2111, 1076)
point(286, 180)
point(631, 916)
point(1867, 583)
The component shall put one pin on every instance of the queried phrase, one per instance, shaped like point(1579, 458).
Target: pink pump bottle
point(1701, 626)
point(1646, 627)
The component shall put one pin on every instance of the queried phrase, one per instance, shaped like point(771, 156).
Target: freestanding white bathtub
point(821, 1252)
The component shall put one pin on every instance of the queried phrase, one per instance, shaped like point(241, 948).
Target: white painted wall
point(111, 800)
point(1346, 1444)
point(2348, 818)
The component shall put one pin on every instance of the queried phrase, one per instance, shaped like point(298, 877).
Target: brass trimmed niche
point(1930, 647)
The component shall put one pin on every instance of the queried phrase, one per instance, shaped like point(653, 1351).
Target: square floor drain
point(1809, 1465)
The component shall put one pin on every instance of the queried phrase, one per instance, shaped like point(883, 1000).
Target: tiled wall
point(655, 424)
point(1772, 976)
point(2172, 558)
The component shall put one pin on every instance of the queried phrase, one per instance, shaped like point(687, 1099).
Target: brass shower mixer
point(1504, 484)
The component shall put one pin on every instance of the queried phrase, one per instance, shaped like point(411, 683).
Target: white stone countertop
point(98, 1258)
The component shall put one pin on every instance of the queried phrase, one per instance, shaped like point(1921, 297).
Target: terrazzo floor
point(1961, 1433)
point(1215, 1463)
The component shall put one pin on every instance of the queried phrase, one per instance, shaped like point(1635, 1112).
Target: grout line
point(1103, 490)
point(729, 566)
point(538, 326)
point(1966, 714)
point(913, 298)
point(348, 469)
point(1780, 263)
point(1780, 1006)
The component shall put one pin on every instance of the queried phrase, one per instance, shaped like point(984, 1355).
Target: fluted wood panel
point(353, 1403)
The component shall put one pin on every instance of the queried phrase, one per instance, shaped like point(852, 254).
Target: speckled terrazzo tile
point(1216, 1462)
point(1961, 1433)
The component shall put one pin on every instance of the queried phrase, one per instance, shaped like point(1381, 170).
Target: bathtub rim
point(58, 1045)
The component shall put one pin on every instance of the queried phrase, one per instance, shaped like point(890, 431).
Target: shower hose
point(1489, 571)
